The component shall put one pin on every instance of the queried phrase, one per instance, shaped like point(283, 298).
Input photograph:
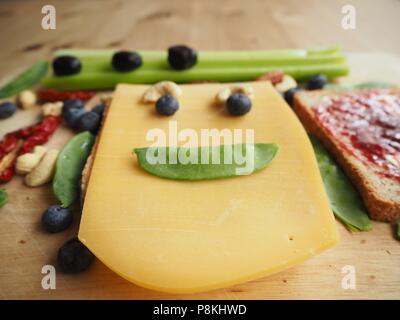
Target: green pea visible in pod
point(345, 200)
point(25, 80)
point(69, 168)
point(3, 197)
point(201, 163)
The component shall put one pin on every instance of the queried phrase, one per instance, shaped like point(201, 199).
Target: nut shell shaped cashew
point(287, 83)
point(52, 108)
point(224, 94)
point(160, 89)
point(44, 171)
point(27, 99)
point(26, 162)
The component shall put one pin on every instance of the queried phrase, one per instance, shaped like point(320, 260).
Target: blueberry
point(182, 57)
point(72, 115)
point(238, 104)
point(317, 82)
point(90, 121)
point(99, 109)
point(66, 65)
point(74, 257)
point(7, 109)
point(72, 104)
point(126, 61)
point(167, 105)
point(288, 95)
point(56, 218)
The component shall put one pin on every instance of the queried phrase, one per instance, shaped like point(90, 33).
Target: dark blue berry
point(56, 218)
point(99, 109)
point(74, 257)
point(90, 121)
point(182, 57)
point(72, 104)
point(288, 95)
point(66, 65)
point(7, 109)
point(72, 115)
point(126, 61)
point(317, 82)
point(238, 104)
point(167, 105)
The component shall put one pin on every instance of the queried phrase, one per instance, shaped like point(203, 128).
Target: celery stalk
point(223, 66)
point(103, 65)
point(151, 54)
point(108, 79)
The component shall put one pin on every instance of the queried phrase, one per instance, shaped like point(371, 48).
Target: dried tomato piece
point(7, 174)
point(51, 95)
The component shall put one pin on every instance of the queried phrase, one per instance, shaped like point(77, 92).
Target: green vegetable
point(105, 80)
point(206, 169)
point(3, 197)
point(344, 198)
point(25, 80)
point(69, 168)
point(106, 54)
point(398, 230)
point(223, 66)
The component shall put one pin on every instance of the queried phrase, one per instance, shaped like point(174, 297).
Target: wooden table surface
point(204, 24)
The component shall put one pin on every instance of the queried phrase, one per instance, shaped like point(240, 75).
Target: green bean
point(69, 166)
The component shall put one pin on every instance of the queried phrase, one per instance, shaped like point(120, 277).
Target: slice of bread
point(381, 194)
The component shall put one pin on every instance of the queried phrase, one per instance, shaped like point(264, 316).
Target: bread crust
point(379, 207)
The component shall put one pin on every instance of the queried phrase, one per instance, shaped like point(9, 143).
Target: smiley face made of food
point(189, 236)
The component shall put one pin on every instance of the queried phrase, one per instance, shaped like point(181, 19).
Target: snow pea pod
point(345, 200)
point(3, 197)
point(25, 80)
point(201, 163)
point(69, 168)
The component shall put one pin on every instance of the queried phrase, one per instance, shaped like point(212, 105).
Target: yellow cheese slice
point(182, 236)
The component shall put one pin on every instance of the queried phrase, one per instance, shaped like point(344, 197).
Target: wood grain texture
point(25, 248)
point(205, 24)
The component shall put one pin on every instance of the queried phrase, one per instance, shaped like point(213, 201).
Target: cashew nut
point(287, 83)
point(52, 108)
point(224, 94)
point(26, 162)
point(160, 89)
point(44, 171)
point(27, 99)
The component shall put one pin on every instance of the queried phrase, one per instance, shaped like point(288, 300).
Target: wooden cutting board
point(25, 248)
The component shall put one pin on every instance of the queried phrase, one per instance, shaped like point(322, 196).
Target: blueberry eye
point(167, 105)
point(238, 104)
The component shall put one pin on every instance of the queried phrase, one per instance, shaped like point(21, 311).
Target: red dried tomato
point(51, 95)
point(7, 174)
point(31, 136)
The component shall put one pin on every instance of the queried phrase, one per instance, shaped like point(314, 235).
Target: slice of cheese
point(181, 236)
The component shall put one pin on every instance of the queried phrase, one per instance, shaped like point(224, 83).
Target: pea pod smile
point(205, 163)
